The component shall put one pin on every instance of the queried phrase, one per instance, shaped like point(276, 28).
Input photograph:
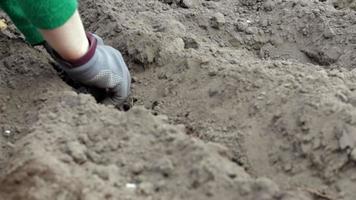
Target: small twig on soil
point(318, 194)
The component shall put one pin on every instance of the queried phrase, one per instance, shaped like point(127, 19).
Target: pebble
point(242, 26)
point(269, 5)
point(77, 152)
point(218, 21)
point(190, 43)
point(138, 168)
point(3, 24)
point(7, 133)
point(131, 185)
point(187, 3)
point(251, 30)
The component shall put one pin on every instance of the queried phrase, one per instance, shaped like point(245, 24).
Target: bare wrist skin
point(68, 40)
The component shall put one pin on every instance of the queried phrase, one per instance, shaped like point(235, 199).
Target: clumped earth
point(250, 99)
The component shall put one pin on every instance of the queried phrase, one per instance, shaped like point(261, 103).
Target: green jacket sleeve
point(13, 9)
point(30, 15)
point(48, 14)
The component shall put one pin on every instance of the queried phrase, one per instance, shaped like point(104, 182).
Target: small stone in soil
point(218, 21)
point(7, 133)
point(131, 185)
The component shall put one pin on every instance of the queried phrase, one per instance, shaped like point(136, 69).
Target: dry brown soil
point(233, 99)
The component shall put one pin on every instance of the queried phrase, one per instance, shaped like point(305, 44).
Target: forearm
point(69, 40)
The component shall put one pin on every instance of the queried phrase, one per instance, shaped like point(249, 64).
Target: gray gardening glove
point(101, 67)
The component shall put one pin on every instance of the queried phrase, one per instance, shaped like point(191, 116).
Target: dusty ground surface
point(249, 99)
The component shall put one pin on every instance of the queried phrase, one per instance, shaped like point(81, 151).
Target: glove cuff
point(89, 54)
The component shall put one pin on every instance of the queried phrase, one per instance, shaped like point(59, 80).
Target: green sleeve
point(30, 15)
point(48, 14)
point(13, 9)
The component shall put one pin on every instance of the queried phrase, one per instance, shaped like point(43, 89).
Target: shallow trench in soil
point(233, 100)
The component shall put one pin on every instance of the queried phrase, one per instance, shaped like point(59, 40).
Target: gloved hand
point(101, 67)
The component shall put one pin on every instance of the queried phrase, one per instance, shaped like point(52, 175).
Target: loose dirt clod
point(251, 99)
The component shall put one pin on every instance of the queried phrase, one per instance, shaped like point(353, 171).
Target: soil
point(250, 99)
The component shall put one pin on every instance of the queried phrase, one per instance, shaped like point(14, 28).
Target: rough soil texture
point(250, 99)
